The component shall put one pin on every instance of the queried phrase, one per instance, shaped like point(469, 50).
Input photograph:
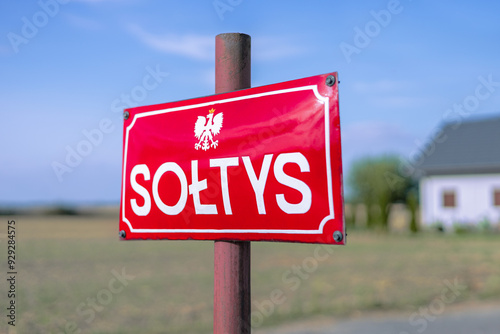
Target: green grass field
point(67, 268)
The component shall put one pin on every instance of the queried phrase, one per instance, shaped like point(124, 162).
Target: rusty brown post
point(232, 258)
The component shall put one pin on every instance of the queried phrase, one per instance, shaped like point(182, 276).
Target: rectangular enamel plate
point(259, 164)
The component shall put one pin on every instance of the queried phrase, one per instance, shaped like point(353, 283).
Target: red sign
point(259, 164)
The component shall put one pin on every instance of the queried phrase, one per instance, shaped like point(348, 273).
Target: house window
point(496, 197)
point(449, 199)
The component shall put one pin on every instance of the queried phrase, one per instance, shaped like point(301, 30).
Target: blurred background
point(419, 109)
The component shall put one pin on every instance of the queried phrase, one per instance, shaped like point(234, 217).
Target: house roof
point(466, 147)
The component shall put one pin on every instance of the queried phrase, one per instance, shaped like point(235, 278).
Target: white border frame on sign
point(331, 215)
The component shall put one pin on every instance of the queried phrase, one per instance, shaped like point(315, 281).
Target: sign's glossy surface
point(260, 164)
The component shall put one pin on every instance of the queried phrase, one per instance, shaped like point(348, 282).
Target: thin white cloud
point(381, 86)
point(82, 22)
point(194, 46)
point(374, 130)
point(266, 48)
point(5, 50)
point(374, 137)
point(400, 102)
point(387, 94)
point(96, 1)
point(208, 77)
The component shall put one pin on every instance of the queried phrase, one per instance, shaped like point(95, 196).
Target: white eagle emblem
point(206, 128)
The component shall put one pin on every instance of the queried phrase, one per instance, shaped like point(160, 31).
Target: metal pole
point(232, 258)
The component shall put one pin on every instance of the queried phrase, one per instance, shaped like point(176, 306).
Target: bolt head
point(126, 115)
point(337, 236)
point(330, 80)
point(122, 234)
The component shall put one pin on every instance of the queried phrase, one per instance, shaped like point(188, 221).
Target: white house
point(461, 182)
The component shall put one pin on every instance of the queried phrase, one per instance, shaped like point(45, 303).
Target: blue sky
point(67, 68)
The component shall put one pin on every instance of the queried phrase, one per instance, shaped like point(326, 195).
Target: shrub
point(438, 226)
point(484, 225)
point(462, 228)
